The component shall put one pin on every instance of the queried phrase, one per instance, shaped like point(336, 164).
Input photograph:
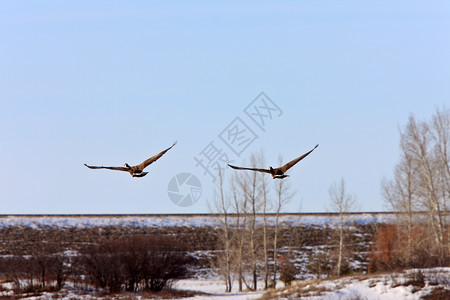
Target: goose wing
point(250, 169)
point(147, 162)
point(109, 168)
point(293, 162)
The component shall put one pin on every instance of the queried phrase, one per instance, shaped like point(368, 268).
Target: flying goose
point(278, 172)
point(135, 171)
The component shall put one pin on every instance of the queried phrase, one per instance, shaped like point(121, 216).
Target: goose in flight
point(278, 172)
point(135, 171)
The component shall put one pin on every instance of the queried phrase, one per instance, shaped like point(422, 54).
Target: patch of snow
point(384, 287)
point(215, 289)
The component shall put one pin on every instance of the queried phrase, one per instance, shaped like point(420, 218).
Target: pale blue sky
point(109, 82)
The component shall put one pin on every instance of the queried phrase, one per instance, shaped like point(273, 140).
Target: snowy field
point(394, 286)
point(180, 221)
point(215, 289)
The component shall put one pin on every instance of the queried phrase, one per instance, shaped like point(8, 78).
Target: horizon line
point(206, 214)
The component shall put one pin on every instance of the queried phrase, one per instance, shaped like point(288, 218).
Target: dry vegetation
point(43, 254)
point(118, 261)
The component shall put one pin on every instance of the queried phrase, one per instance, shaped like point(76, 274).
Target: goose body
point(137, 170)
point(277, 173)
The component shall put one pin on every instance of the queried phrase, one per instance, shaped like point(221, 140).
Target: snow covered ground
point(393, 286)
point(380, 287)
point(215, 289)
point(179, 220)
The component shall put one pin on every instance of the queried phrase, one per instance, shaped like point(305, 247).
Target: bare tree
point(252, 195)
point(246, 204)
point(250, 200)
point(422, 181)
point(401, 194)
point(283, 196)
point(264, 192)
point(261, 184)
point(341, 202)
point(418, 141)
point(241, 219)
point(440, 130)
point(222, 206)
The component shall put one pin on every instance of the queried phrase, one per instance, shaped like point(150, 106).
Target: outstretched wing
point(250, 169)
point(109, 168)
point(293, 162)
point(143, 165)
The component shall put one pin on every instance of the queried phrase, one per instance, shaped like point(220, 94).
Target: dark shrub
point(42, 271)
point(137, 263)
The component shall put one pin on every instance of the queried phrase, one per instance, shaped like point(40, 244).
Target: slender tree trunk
point(342, 203)
point(222, 205)
point(253, 234)
point(275, 249)
point(410, 250)
point(266, 254)
point(240, 237)
point(283, 196)
point(341, 243)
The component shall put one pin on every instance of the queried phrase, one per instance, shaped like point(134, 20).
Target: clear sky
point(109, 82)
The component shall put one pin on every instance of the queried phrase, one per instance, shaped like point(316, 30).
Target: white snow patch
point(382, 287)
point(215, 289)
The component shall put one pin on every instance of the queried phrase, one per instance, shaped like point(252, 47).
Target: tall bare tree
point(440, 131)
point(222, 207)
point(341, 202)
point(251, 205)
point(240, 209)
point(401, 195)
point(422, 178)
point(246, 204)
point(418, 142)
point(283, 196)
point(252, 194)
point(265, 235)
